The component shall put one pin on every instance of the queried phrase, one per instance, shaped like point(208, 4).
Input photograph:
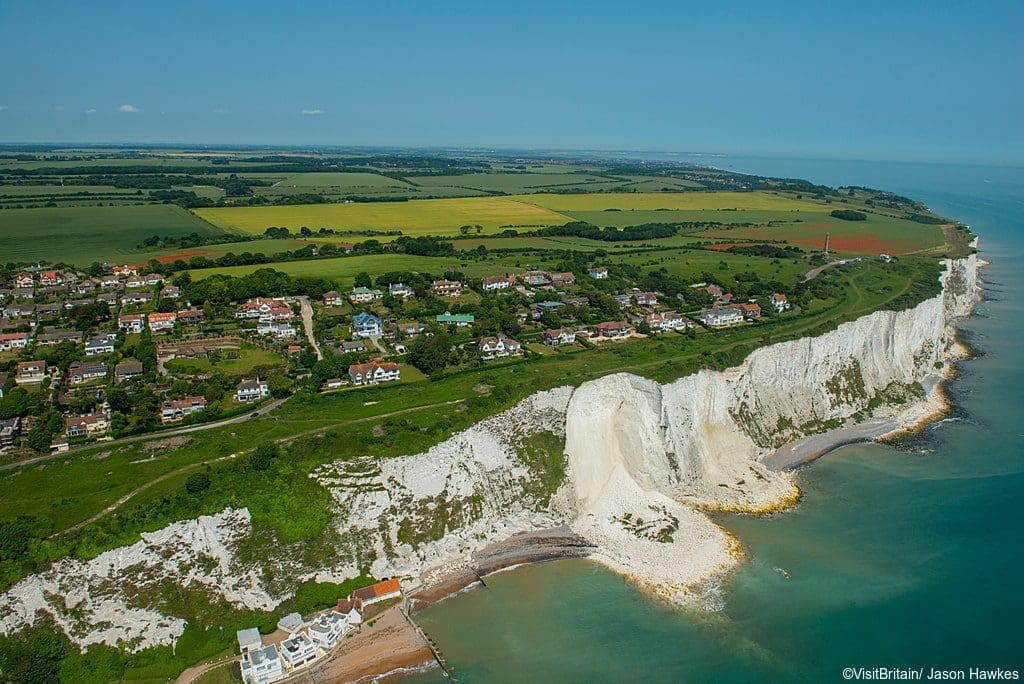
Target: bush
point(197, 482)
point(849, 215)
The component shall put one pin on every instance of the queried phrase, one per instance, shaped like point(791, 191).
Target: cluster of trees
point(849, 215)
point(646, 231)
point(265, 282)
point(770, 251)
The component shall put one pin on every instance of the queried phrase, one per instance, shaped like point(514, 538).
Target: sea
point(895, 559)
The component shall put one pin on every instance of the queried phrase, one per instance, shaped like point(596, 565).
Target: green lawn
point(342, 270)
point(82, 235)
point(230, 362)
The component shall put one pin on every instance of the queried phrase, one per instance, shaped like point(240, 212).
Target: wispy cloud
point(90, 110)
point(312, 112)
point(128, 109)
point(58, 108)
point(2, 107)
point(221, 110)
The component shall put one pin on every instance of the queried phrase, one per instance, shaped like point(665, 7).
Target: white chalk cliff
point(643, 461)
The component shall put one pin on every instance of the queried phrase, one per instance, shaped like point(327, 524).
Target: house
point(9, 341)
point(49, 309)
point(261, 665)
point(30, 372)
point(87, 286)
point(598, 273)
point(99, 345)
point(354, 346)
point(381, 591)
point(80, 373)
point(447, 288)
point(170, 292)
point(23, 280)
point(279, 330)
point(670, 320)
point(9, 431)
point(249, 640)
point(298, 650)
point(125, 271)
point(498, 347)
point(645, 298)
point(458, 320)
point(191, 316)
point(885, 258)
point(20, 311)
point(399, 290)
point(333, 298)
point(137, 297)
point(3, 383)
point(365, 324)
point(613, 329)
point(51, 278)
point(536, 278)
point(749, 309)
point(127, 370)
point(291, 623)
point(153, 279)
point(563, 279)
point(349, 609)
point(55, 337)
point(135, 282)
point(176, 409)
point(264, 308)
point(87, 425)
point(159, 322)
point(373, 373)
point(576, 301)
point(409, 328)
point(715, 291)
point(364, 295)
point(131, 323)
point(559, 336)
point(721, 316)
point(251, 390)
point(327, 629)
point(111, 282)
point(623, 300)
point(333, 383)
point(779, 302)
point(492, 283)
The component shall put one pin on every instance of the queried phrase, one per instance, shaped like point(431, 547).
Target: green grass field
point(231, 362)
point(343, 269)
point(636, 217)
point(82, 235)
point(416, 217)
point(649, 201)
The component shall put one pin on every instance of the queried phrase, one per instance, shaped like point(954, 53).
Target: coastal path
point(307, 323)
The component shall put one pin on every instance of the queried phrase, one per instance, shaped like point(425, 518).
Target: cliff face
point(640, 462)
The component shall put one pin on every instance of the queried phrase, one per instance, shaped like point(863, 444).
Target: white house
point(491, 283)
point(249, 640)
point(498, 347)
point(99, 345)
point(298, 650)
point(9, 341)
point(598, 272)
point(366, 325)
point(721, 316)
point(131, 323)
point(327, 628)
point(373, 373)
point(559, 336)
point(447, 288)
point(349, 609)
point(262, 665)
point(251, 390)
point(779, 302)
point(279, 330)
point(159, 321)
point(670, 320)
point(364, 295)
point(176, 409)
point(400, 290)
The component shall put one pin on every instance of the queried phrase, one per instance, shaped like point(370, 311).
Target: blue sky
point(902, 80)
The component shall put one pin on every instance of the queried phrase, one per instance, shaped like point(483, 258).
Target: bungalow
point(87, 425)
point(20, 311)
point(176, 409)
point(137, 298)
point(447, 288)
point(576, 301)
point(135, 282)
point(721, 316)
point(749, 309)
point(598, 273)
point(261, 665)
point(364, 295)
point(159, 322)
point(170, 292)
point(99, 345)
point(399, 290)
point(365, 324)
point(49, 309)
point(779, 302)
point(192, 352)
point(110, 282)
point(87, 286)
point(559, 336)
point(381, 591)
point(298, 650)
point(191, 316)
point(251, 390)
point(563, 279)
point(30, 372)
point(458, 320)
point(55, 337)
point(127, 370)
point(154, 279)
point(327, 629)
point(281, 331)
point(80, 373)
point(536, 278)
point(333, 298)
point(498, 347)
point(23, 280)
point(333, 383)
point(409, 328)
point(670, 320)
point(353, 347)
point(9, 341)
point(131, 323)
point(613, 329)
point(492, 283)
point(373, 373)
point(125, 271)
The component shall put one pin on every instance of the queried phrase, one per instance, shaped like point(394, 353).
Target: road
point(307, 323)
point(249, 415)
point(815, 272)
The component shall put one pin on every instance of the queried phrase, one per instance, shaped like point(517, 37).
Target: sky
point(926, 81)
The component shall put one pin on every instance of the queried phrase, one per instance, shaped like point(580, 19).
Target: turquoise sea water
point(897, 558)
